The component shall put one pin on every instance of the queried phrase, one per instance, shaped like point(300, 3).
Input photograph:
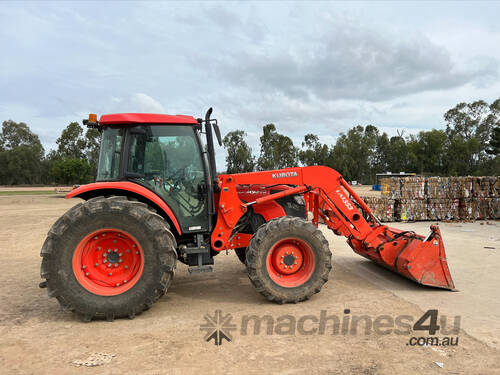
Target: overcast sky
point(315, 67)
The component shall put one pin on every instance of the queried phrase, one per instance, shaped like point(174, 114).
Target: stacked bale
point(438, 198)
point(443, 209)
point(383, 208)
point(413, 210)
point(391, 187)
point(437, 187)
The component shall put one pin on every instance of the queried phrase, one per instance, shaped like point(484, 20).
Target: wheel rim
point(108, 262)
point(290, 262)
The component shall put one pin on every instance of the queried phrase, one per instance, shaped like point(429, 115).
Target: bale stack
point(383, 208)
point(419, 198)
point(391, 187)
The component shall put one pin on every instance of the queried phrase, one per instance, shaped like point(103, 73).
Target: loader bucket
point(420, 259)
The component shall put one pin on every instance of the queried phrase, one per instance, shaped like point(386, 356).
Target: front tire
point(288, 260)
point(108, 258)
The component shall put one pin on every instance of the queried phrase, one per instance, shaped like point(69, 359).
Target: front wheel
point(288, 260)
point(108, 258)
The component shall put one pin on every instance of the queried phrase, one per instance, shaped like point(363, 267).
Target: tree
point(21, 154)
point(92, 148)
point(239, 155)
point(276, 150)
point(469, 127)
point(427, 152)
point(494, 144)
point(313, 153)
point(71, 144)
point(354, 153)
point(71, 171)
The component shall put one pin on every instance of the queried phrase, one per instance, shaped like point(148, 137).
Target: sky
point(308, 67)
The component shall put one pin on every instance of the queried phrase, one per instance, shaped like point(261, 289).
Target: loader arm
point(330, 198)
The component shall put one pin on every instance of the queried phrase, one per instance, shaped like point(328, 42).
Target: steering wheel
point(179, 176)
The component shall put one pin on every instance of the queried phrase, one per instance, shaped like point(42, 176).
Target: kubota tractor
point(158, 199)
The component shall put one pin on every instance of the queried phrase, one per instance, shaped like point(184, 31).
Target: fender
point(81, 191)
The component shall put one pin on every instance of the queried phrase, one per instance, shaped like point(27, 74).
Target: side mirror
point(217, 133)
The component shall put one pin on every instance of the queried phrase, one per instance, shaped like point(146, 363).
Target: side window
point(110, 154)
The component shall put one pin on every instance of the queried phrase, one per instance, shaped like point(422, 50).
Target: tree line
point(469, 145)
point(23, 160)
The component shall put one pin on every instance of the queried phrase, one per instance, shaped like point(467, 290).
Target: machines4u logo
point(435, 329)
point(218, 327)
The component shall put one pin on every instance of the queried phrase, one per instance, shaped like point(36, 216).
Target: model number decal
point(284, 174)
point(345, 200)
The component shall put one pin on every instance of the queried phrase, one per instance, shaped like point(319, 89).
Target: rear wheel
point(288, 260)
point(108, 258)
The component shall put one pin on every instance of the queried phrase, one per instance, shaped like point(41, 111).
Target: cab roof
point(145, 118)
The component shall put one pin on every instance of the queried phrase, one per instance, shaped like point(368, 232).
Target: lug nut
point(295, 263)
point(120, 254)
point(133, 245)
point(117, 284)
point(98, 248)
point(282, 256)
point(86, 273)
point(84, 267)
point(116, 250)
point(126, 267)
point(137, 252)
point(110, 274)
point(121, 260)
point(116, 264)
point(95, 238)
point(109, 250)
point(104, 261)
point(281, 262)
point(97, 264)
point(109, 265)
point(124, 281)
point(104, 234)
point(105, 255)
point(286, 267)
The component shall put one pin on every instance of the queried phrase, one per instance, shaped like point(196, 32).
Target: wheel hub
point(108, 262)
point(289, 260)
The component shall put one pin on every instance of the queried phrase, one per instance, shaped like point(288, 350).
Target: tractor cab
point(166, 155)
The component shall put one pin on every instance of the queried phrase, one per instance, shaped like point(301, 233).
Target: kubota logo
point(345, 200)
point(285, 174)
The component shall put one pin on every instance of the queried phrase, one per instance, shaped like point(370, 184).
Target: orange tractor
point(158, 199)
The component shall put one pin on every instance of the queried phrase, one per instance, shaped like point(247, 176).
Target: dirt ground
point(37, 337)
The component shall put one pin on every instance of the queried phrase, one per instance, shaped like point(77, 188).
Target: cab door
point(167, 159)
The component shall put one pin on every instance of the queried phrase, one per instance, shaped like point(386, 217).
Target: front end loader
point(158, 200)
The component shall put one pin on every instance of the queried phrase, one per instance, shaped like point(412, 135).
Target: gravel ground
point(36, 336)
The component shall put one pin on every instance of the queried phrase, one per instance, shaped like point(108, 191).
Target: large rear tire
point(288, 260)
point(108, 258)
